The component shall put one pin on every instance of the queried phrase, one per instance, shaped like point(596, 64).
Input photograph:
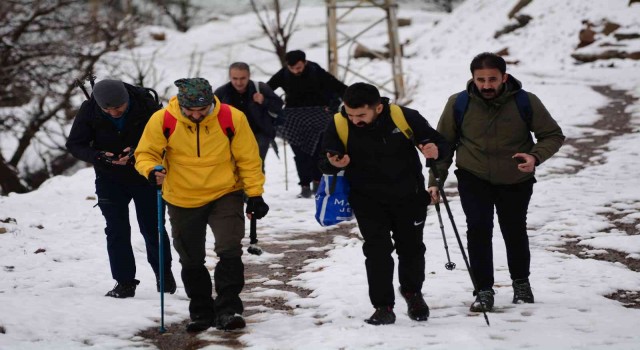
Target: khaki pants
point(188, 228)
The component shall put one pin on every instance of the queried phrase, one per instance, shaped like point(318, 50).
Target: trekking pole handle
point(158, 168)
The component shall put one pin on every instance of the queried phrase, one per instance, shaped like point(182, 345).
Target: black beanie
point(110, 93)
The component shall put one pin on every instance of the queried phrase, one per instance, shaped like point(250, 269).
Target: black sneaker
point(169, 283)
point(123, 289)
point(228, 322)
point(306, 192)
point(522, 292)
point(417, 308)
point(483, 302)
point(199, 324)
point(383, 315)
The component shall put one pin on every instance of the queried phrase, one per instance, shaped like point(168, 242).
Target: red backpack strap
point(225, 120)
point(168, 124)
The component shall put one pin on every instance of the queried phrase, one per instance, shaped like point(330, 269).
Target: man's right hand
point(105, 158)
point(434, 193)
point(156, 177)
point(338, 161)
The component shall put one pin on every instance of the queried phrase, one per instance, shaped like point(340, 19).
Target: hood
point(174, 108)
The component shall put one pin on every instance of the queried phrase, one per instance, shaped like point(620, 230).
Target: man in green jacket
point(496, 159)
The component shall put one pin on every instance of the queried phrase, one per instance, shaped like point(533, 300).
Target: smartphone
point(335, 153)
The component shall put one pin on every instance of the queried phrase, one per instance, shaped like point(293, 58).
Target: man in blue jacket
point(105, 133)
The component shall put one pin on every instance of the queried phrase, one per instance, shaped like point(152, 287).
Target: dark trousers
point(478, 198)
point(307, 165)
point(113, 200)
point(188, 229)
point(386, 227)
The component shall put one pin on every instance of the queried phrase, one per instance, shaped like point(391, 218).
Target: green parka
point(492, 131)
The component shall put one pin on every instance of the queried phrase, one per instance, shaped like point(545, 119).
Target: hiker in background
point(256, 100)
point(312, 96)
point(491, 123)
point(211, 159)
point(388, 194)
point(105, 132)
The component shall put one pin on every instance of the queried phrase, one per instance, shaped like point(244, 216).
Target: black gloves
point(152, 177)
point(257, 207)
point(103, 158)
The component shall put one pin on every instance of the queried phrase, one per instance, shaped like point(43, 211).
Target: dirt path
point(295, 257)
point(616, 121)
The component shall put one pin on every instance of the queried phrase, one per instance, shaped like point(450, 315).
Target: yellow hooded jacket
point(202, 163)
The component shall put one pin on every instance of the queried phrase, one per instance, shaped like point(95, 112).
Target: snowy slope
point(54, 299)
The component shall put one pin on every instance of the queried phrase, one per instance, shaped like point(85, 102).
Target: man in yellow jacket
point(210, 158)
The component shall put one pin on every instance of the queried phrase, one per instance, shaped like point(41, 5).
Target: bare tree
point(45, 45)
point(278, 31)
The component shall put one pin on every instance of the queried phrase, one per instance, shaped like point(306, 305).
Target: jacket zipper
point(198, 139)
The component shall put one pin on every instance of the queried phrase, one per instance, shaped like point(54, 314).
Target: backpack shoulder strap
point(524, 107)
point(460, 107)
point(168, 124)
point(342, 127)
point(225, 120)
point(400, 121)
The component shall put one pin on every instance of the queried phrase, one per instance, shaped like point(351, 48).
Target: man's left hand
point(256, 206)
point(258, 98)
point(526, 162)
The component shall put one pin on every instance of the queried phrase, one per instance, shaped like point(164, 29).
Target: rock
point(626, 36)
point(3, 230)
point(610, 27)
point(503, 52)
point(518, 7)
point(404, 22)
point(42, 250)
point(606, 55)
point(158, 36)
point(587, 36)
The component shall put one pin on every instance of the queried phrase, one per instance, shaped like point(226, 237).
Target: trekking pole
point(449, 265)
point(436, 174)
point(253, 240)
point(286, 172)
point(161, 249)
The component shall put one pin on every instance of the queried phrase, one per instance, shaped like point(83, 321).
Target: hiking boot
point(228, 322)
point(123, 289)
point(416, 306)
point(169, 283)
point(483, 302)
point(199, 324)
point(383, 315)
point(306, 192)
point(522, 292)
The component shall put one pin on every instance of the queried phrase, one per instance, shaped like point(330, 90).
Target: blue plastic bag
point(332, 204)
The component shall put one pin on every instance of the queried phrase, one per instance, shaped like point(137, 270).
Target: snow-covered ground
point(53, 263)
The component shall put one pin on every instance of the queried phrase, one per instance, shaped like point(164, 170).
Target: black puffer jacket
point(315, 87)
point(92, 132)
point(385, 165)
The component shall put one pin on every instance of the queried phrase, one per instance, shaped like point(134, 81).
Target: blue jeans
point(114, 199)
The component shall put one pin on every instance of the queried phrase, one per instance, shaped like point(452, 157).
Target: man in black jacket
point(256, 100)
point(312, 95)
point(387, 193)
point(105, 133)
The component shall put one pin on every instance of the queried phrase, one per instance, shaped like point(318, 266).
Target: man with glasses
point(211, 158)
point(105, 133)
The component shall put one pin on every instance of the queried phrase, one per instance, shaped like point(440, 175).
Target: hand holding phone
point(334, 153)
